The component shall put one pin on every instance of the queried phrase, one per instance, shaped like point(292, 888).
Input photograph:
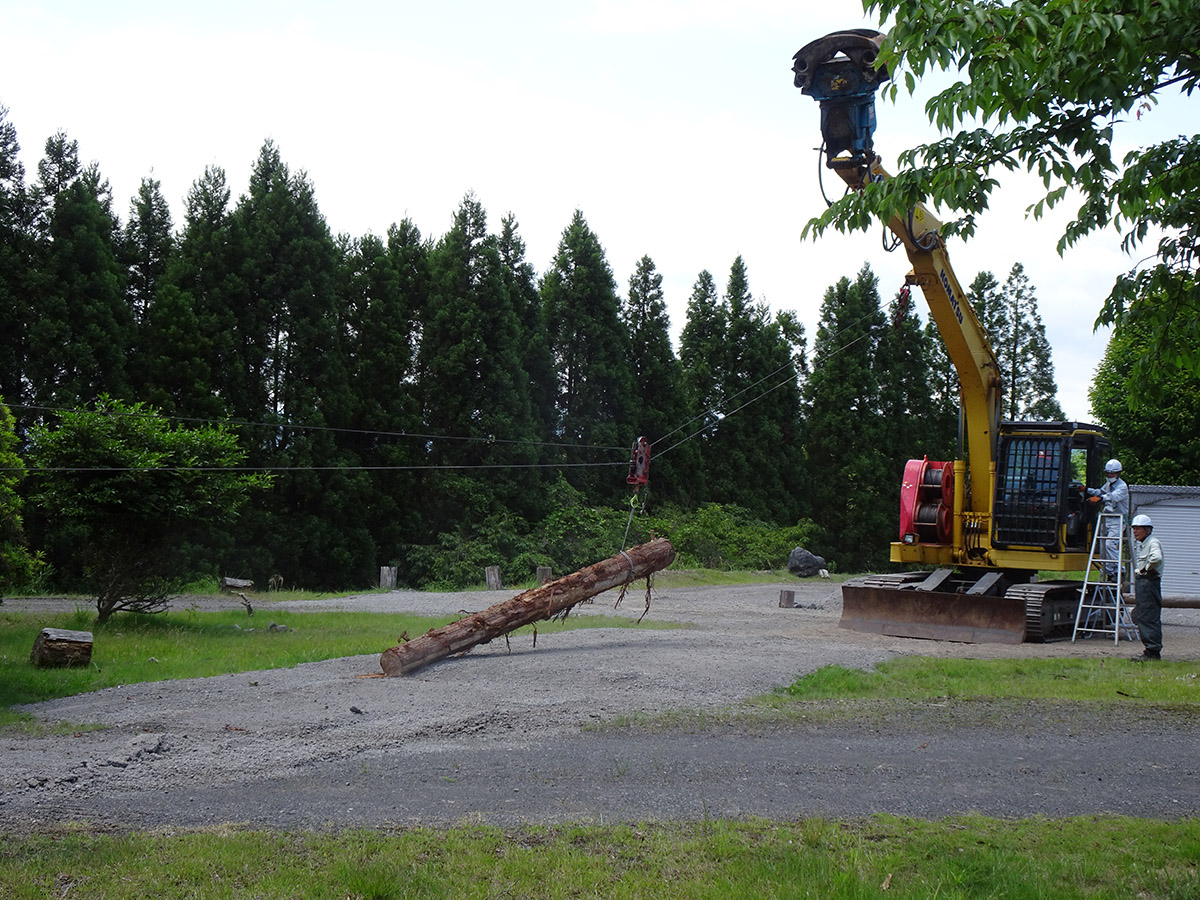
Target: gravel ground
point(535, 735)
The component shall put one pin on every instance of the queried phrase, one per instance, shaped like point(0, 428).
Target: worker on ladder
point(1115, 497)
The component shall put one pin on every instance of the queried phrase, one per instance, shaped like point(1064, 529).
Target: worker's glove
point(1095, 499)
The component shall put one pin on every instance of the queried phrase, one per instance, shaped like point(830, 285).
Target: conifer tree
point(474, 387)
point(912, 421)
point(295, 333)
point(147, 244)
point(700, 345)
point(16, 260)
point(753, 455)
point(382, 286)
point(80, 337)
point(538, 361)
point(1010, 317)
point(850, 468)
point(206, 271)
point(660, 407)
point(591, 353)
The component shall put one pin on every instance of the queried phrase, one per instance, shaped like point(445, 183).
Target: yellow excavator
point(985, 525)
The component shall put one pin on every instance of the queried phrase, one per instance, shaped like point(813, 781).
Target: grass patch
point(1094, 857)
point(682, 578)
point(129, 648)
point(1079, 680)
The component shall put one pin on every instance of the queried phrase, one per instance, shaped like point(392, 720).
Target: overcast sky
point(672, 125)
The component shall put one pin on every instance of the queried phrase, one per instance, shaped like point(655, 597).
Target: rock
point(803, 564)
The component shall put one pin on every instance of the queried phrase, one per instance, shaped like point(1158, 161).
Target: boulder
point(803, 564)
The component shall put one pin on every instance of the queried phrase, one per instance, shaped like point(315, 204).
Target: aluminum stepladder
point(1102, 606)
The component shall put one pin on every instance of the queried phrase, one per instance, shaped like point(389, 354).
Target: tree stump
point(230, 585)
point(787, 599)
point(387, 577)
point(492, 573)
point(57, 648)
point(545, 575)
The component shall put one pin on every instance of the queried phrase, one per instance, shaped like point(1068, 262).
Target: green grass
point(129, 649)
point(1075, 680)
point(682, 578)
point(905, 859)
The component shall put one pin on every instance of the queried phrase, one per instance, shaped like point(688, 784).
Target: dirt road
point(536, 735)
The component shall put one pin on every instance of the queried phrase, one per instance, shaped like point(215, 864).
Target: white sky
point(672, 125)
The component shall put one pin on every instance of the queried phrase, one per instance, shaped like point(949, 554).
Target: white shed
point(1175, 512)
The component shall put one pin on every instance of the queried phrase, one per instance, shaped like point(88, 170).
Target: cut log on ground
point(533, 605)
point(57, 647)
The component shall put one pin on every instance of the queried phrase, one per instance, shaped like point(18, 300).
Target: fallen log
point(531, 606)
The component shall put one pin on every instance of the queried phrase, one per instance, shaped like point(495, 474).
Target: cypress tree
point(592, 363)
point(1014, 326)
point(700, 345)
point(16, 261)
point(850, 469)
point(538, 361)
point(147, 244)
point(82, 329)
point(754, 453)
point(473, 383)
point(911, 424)
point(661, 409)
point(297, 355)
point(381, 285)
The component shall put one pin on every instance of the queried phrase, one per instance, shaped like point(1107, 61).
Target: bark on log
point(57, 647)
point(531, 606)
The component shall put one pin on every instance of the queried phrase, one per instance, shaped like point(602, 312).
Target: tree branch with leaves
point(1042, 85)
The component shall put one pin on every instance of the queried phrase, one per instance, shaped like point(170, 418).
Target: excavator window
point(1028, 490)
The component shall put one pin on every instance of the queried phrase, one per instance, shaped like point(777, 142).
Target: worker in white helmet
point(1114, 496)
point(1147, 588)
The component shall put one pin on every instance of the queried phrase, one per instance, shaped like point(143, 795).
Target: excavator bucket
point(882, 606)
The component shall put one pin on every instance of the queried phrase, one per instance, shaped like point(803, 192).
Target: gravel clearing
point(519, 735)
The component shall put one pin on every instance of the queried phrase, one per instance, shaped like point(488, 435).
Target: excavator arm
point(841, 71)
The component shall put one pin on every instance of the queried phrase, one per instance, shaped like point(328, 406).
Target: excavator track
point(1050, 608)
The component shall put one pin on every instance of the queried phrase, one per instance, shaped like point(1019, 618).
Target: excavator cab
point(1041, 473)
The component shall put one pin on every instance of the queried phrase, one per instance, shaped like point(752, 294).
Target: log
point(526, 608)
point(57, 647)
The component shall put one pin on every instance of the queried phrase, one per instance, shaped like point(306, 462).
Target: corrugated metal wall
point(1177, 526)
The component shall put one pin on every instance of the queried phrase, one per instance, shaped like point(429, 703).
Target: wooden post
point(56, 647)
point(387, 577)
point(492, 573)
point(787, 599)
point(531, 606)
point(544, 575)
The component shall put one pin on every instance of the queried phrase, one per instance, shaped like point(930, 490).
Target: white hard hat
point(1113, 465)
point(1142, 521)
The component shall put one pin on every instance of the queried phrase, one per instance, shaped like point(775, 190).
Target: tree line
point(427, 402)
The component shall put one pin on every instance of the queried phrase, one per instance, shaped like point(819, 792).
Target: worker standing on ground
point(1147, 587)
point(1115, 497)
